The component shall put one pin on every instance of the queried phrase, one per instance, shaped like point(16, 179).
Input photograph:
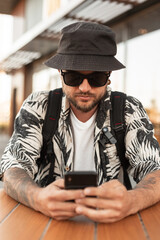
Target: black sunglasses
point(95, 79)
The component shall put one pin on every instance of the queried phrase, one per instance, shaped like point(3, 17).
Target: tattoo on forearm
point(17, 184)
point(147, 183)
point(150, 181)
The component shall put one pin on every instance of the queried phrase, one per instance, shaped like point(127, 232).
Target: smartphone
point(80, 179)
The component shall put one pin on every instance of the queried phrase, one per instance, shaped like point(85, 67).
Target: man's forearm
point(19, 185)
point(147, 191)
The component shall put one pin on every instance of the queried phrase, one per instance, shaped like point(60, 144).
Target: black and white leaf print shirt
point(24, 147)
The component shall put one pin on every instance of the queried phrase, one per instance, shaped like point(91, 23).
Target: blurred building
point(36, 27)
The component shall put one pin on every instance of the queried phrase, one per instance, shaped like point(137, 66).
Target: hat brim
point(84, 62)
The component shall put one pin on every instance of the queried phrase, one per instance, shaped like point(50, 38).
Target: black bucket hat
point(86, 46)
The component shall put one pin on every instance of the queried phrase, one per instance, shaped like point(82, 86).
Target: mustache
point(86, 94)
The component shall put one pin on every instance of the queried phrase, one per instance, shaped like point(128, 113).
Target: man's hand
point(111, 203)
point(54, 200)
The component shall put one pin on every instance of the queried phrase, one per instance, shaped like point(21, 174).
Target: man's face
point(84, 97)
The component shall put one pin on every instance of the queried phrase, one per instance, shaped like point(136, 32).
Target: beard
point(85, 105)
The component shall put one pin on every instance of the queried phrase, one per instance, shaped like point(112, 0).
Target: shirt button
point(67, 168)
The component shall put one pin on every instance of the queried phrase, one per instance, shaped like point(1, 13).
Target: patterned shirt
point(24, 148)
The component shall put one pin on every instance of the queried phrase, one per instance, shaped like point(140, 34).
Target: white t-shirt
point(83, 134)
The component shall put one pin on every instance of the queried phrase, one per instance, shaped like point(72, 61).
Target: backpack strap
point(118, 128)
point(49, 127)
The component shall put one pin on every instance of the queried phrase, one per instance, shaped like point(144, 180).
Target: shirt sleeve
point(142, 148)
point(25, 144)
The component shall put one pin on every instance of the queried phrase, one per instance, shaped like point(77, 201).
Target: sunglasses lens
point(72, 79)
point(95, 79)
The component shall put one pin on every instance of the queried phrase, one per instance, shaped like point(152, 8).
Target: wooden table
point(18, 222)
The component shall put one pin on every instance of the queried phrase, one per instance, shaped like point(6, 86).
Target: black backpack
point(115, 136)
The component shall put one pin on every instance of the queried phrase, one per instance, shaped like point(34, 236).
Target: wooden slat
point(151, 220)
point(6, 204)
point(129, 228)
point(70, 230)
point(23, 223)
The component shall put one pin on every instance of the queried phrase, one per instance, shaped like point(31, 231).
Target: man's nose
point(85, 86)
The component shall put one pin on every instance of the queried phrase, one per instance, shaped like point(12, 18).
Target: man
point(85, 59)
